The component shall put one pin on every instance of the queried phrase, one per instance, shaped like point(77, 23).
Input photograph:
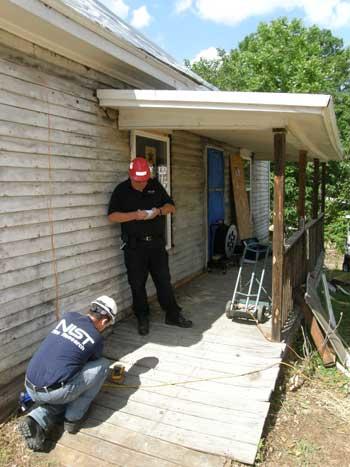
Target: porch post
point(278, 231)
point(302, 183)
point(315, 189)
point(323, 187)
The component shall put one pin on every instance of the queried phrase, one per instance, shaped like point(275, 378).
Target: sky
point(189, 29)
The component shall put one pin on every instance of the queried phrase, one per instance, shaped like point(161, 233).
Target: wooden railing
point(301, 252)
point(314, 231)
point(294, 270)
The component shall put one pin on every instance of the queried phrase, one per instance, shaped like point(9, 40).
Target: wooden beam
point(302, 184)
point(278, 231)
point(323, 186)
point(315, 188)
point(322, 345)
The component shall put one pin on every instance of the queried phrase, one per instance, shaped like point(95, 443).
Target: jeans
point(73, 399)
point(141, 261)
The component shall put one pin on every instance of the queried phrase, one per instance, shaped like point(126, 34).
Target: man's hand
point(141, 215)
point(155, 213)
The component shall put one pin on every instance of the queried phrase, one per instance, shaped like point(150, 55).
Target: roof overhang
point(58, 27)
point(240, 119)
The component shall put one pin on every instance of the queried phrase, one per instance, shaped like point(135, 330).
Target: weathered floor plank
point(191, 397)
point(154, 447)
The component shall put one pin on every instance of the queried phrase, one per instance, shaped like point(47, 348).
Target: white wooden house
point(61, 155)
point(81, 93)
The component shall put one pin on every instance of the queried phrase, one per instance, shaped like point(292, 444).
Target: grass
point(13, 452)
point(305, 452)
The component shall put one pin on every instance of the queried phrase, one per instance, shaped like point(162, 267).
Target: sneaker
point(143, 326)
point(178, 320)
point(32, 433)
point(73, 426)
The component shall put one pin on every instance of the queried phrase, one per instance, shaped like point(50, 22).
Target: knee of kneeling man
point(105, 363)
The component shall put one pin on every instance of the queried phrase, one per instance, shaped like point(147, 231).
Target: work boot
point(178, 320)
point(32, 433)
point(143, 326)
point(73, 426)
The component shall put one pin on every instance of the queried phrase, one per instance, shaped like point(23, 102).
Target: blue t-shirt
point(64, 352)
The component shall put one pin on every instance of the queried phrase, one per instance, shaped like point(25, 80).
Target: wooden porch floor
point(189, 424)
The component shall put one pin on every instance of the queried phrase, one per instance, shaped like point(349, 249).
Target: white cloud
point(118, 7)
point(140, 17)
point(329, 13)
point(182, 5)
point(210, 53)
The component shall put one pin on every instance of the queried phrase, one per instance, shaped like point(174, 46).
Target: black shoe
point(178, 320)
point(143, 326)
point(32, 433)
point(74, 426)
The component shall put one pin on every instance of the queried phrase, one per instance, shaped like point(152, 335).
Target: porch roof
point(240, 119)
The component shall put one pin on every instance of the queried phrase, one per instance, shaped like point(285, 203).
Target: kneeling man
point(67, 371)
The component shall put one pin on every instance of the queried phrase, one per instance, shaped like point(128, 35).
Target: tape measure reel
point(116, 374)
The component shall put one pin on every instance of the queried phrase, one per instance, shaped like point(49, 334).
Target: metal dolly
point(245, 302)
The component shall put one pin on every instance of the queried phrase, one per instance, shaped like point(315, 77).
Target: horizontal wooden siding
point(60, 158)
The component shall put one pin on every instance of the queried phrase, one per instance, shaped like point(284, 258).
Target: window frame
point(165, 139)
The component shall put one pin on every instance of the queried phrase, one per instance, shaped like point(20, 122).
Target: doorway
point(216, 203)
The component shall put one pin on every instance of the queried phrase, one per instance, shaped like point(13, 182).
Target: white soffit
point(241, 119)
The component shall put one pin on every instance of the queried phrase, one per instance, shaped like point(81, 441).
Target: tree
point(287, 56)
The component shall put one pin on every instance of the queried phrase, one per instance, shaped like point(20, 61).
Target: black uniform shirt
point(126, 199)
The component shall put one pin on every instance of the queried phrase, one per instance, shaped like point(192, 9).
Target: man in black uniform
point(67, 371)
point(140, 204)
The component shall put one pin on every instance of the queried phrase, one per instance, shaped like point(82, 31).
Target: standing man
point(67, 372)
point(141, 204)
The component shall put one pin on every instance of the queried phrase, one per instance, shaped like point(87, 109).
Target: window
point(156, 149)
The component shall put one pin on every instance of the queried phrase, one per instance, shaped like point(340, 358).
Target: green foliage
point(286, 56)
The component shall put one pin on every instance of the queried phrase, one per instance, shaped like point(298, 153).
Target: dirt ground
point(308, 424)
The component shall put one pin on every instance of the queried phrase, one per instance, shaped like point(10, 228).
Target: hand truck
point(246, 300)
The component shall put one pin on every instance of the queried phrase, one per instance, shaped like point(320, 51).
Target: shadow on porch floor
point(202, 398)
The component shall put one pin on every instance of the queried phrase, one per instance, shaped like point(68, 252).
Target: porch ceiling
point(241, 119)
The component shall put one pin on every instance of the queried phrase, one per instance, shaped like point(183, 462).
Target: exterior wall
point(260, 202)
point(60, 158)
point(188, 189)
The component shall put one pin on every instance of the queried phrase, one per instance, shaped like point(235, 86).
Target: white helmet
point(105, 306)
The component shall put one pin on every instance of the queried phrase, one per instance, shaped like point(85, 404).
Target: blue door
point(216, 209)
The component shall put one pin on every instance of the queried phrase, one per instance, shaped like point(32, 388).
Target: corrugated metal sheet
point(260, 193)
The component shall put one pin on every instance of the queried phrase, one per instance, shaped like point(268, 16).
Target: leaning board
point(244, 224)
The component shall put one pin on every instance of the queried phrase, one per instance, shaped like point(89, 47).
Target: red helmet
point(139, 170)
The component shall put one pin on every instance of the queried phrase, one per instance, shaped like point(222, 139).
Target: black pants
point(139, 262)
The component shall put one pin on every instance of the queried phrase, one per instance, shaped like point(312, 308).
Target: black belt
point(52, 387)
point(149, 238)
